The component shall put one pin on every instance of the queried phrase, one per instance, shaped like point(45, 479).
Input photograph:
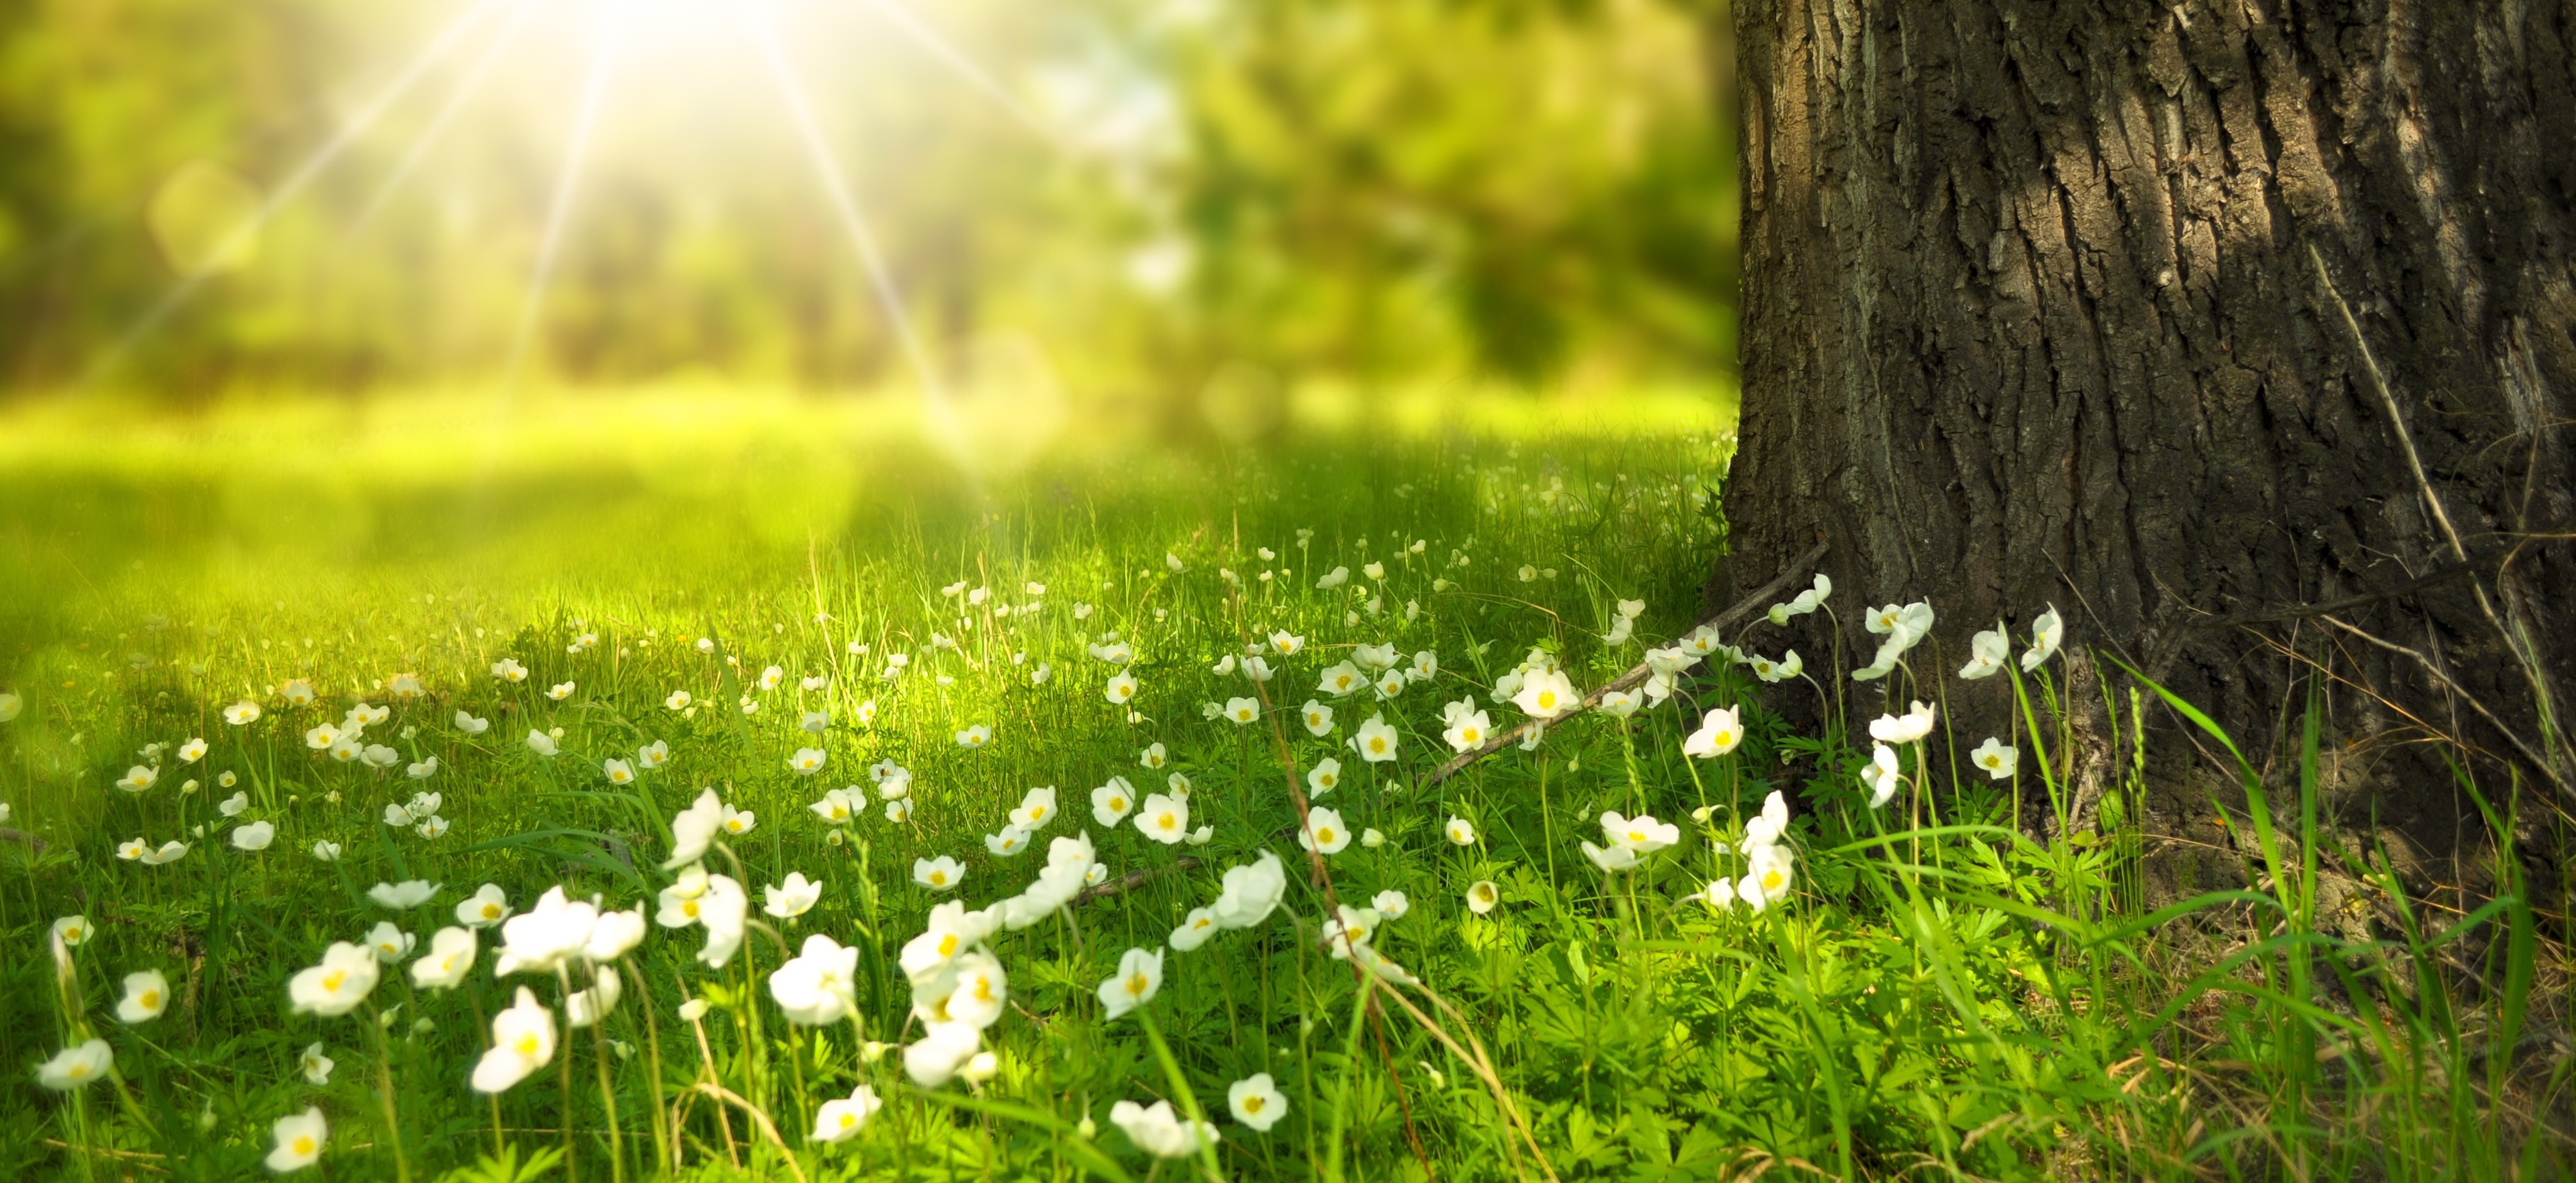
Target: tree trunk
point(2194, 320)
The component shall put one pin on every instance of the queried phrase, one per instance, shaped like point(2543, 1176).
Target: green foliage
point(1943, 991)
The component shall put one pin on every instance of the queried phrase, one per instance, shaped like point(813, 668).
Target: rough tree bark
point(2109, 304)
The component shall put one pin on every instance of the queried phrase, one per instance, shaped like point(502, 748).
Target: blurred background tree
point(1171, 202)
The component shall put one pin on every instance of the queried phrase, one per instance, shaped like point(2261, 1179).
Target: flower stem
point(385, 1093)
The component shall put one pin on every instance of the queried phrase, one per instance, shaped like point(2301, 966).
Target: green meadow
point(812, 605)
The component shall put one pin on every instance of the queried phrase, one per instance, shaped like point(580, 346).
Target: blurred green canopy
point(1137, 198)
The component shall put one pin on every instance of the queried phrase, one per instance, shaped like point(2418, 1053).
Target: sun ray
point(594, 93)
point(429, 136)
point(296, 182)
point(964, 67)
point(853, 223)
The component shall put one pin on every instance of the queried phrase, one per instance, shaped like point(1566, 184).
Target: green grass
point(1941, 994)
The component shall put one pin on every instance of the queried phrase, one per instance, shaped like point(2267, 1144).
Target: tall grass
point(1964, 983)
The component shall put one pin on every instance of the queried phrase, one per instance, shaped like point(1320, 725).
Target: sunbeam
point(853, 223)
point(594, 92)
point(464, 90)
point(304, 175)
point(975, 76)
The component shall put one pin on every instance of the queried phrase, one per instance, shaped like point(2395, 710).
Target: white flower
point(791, 898)
point(1250, 892)
point(1349, 929)
point(147, 994)
point(326, 850)
point(1010, 841)
point(722, 911)
point(388, 943)
point(238, 714)
point(1460, 831)
point(838, 805)
point(653, 755)
point(299, 1140)
point(422, 769)
point(2046, 634)
point(1719, 733)
point(540, 742)
point(508, 669)
point(1767, 882)
point(1173, 562)
point(1880, 775)
point(523, 1040)
point(974, 737)
point(1546, 694)
point(542, 938)
point(898, 811)
point(192, 751)
point(403, 896)
point(1324, 831)
point(317, 1067)
point(1765, 828)
point(1164, 818)
point(1391, 904)
point(838, 1121)
point(1333, 579)
point(1468, 730)
point(170, 852)
point(618, 772)
point(451, 957)
point(939, 874)
point(585, 1008)
point(1341, 678)
point(615, 934)
point(1256, 1102)
point(1988, 651)
point(1913, 725)
point(1996, 757)
point(471, 725)
point(1610, 858)
point(815, 988)
point(434, 827)
point(678, 700)
point(1482, 895)
point(138, 778)
point(1195, 929)
point(1619, 704)
point(1324, 777)
point(489, 905)
point(1037, 808)
point(941, 1051)
point(255, 836)
point(1112, 802)
point(738, 822)
point(1286, 643)
point(928, 960)
point(1121, 688)
point(335, 987)
point(1139, 978)
point(1641, 833)
point(1376, 741)
point(1242, 710)
point(74, 1067)
point(559, 691)
point(692, 829)
point(771, 677)
point(1153, 757)
point(1157, 1131)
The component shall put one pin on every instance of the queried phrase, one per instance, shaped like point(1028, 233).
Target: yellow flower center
point(303, 1145)
point(1547, 700)
point(331, 981)
point(1325, 835)
point(1770, 880)
point(689, 909)
point(150, 1000)
point(939, 878)
point(1253, 1104)
point(491, 911)
point(848, 1119)
point(527, 1044)
point(1137, 985)
point(1167, 821)
point(1636, 835)
point(1118, 803)
point(1377, 745)
point(947, 944)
